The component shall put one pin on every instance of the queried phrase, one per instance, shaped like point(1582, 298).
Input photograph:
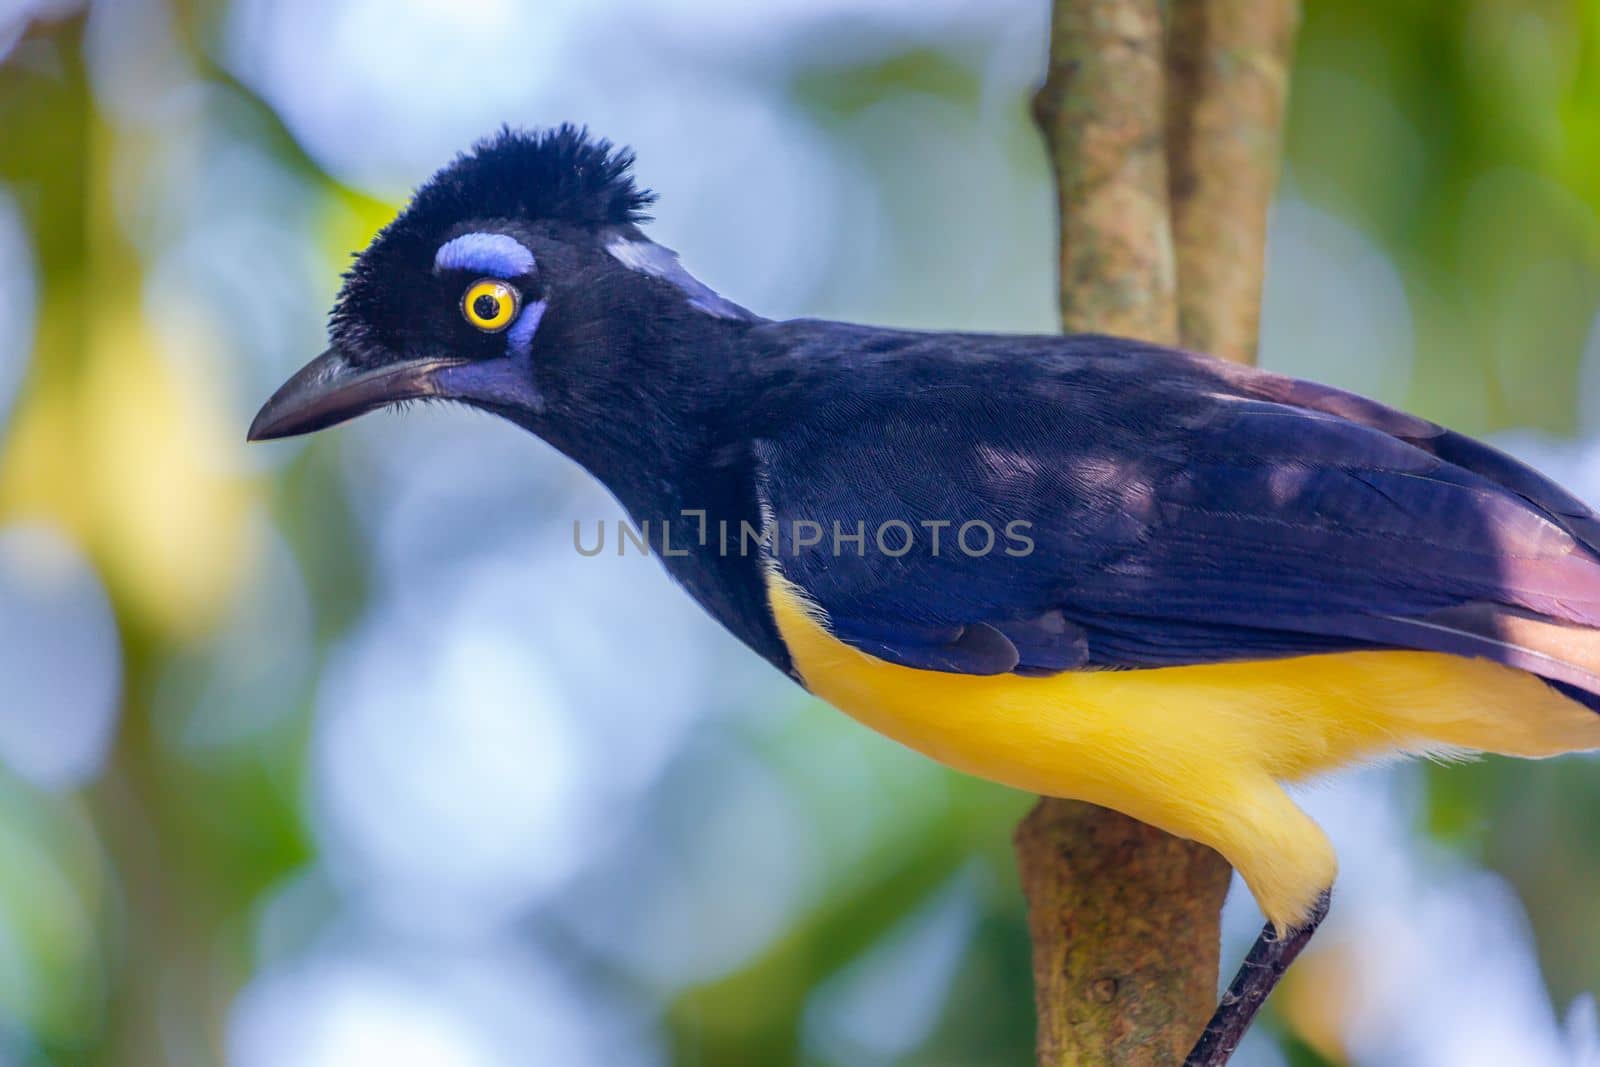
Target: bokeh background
point(335, 752)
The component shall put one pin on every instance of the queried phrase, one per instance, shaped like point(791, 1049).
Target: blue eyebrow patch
point(487, 253)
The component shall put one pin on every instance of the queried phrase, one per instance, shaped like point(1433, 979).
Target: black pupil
point(486, 307)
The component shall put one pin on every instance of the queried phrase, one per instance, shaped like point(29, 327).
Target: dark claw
point(1269, 957)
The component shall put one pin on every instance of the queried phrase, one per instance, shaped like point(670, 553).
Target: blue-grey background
point(334, 752)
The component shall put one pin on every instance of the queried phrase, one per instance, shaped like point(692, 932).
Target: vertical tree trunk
point(1163, 127)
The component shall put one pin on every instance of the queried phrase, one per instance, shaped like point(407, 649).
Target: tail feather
point(1566, 655)
point(1572, 692)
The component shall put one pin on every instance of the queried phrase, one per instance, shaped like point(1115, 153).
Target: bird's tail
point(1572, 692)
point(1565, 654)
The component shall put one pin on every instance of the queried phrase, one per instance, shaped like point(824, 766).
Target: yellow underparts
point(1198, 751)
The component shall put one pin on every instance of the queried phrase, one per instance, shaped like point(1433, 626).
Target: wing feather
point(1181, 512)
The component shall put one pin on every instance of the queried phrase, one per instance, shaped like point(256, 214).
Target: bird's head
point(516, 281)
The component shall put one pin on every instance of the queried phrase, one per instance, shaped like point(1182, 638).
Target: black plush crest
point(560, 174)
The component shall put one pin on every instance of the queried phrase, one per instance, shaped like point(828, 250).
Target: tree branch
point(1124, 918)
point(1102, 112)
point(1228, 82)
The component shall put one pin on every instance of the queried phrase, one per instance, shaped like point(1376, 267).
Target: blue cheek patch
point(503, 383)
point(492, 254)
point(519, 338)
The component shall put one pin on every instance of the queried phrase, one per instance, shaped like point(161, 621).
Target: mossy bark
point(1228, 79)
point(1162, 121)
point(1102, 112)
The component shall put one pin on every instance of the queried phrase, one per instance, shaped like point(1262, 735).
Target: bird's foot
point(1268, 958)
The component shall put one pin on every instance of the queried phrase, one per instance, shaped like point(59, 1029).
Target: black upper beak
point(328, 390)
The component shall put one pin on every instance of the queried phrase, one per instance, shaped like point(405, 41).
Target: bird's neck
point(652, 426)
point(668, 438)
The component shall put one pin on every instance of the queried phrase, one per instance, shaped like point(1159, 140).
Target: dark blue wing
point(1175, 512)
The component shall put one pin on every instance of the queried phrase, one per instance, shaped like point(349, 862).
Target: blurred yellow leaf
point(350, 220)
point(137, 461)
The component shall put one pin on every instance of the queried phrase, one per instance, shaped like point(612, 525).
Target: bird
point(1083, 566)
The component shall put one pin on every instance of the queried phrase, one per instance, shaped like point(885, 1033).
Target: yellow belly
point(1198, 751)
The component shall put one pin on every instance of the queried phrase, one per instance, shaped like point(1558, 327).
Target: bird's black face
point(457, 321)
point(465, 295)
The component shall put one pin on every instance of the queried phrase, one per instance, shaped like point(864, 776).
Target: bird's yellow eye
point(489, 305)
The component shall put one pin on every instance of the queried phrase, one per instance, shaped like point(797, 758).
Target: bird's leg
point(1269, 957)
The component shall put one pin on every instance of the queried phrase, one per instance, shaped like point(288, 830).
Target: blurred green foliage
point(1462, 136)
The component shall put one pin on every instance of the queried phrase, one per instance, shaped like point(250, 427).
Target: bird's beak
point(329, 390)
